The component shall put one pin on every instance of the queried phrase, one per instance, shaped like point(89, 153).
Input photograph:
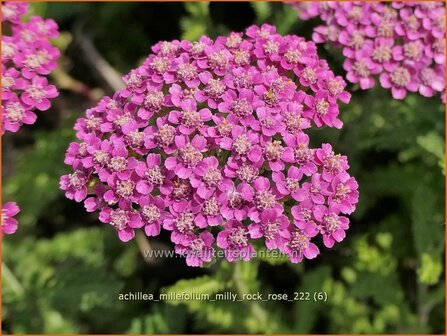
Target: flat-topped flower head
point(207, 141)
point(395, 42)
point(27, 58)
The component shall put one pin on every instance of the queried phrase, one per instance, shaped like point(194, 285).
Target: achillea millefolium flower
point(207, 140)
point(27, 59)
point(400, 43)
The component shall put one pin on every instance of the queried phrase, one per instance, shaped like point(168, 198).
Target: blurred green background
point(63, 270)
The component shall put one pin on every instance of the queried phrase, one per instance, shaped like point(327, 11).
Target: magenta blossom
point(314, 190)
point(123, 219)
point(243, 143)
point(213, 90)
point(290, 184)
point(269, 123)
point(299, 153)
point(123, 189)
point(152, 213)
point(9, 223)
point(331, 163)
point(333, 226)
point(189, 118)
point(322, 110)
point(400, 81)
point(37, 94)
point(209, 178)
point(97, 201)
point(299, 246)
point(197, 249)
point(273, 227)
point(190, 156)
point(75, 185)
point(15, 114)
point(210, 214)
point(13, 11)
point(181, 221)
point(208, 141)
point(343, 193)
point(394, 41)
point(235, 241)
point(304, 218)
point(27, 58)
point(153, 175)
point(237, 202)
point(264, 198)
point(240, 107)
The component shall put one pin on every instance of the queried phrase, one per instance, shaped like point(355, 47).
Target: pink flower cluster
point(403, 43)
point(9, 224)
point(27, 58)
point(207, 141)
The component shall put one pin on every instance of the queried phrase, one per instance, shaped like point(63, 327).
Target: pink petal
point(126, 235)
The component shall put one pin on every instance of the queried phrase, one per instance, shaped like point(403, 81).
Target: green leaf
point(201, 285)
point(427, 218)
point(83, 289)
point(430, 270)
point(57, 323)
point(262, 10)
point(35, 183)
point(63, 41)
point(306, 311)
point(245, 277)
point(197, 9)
point(164, 319)
point(383, 289)
point(192, 30)
point(270, 257)
point(285, 19)
point(38, 8)
point(433, 143)
point(126, 264)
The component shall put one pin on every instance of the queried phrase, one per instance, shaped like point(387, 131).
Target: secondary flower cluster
point(9, 224)
point(403, 43)
point(27, 58)
point(207, 141)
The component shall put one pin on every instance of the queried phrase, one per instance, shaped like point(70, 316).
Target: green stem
point(255, 307)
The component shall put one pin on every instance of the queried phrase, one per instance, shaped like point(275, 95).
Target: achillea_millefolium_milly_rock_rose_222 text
point(400, 43)
point(208, 141)
point(27, 59)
